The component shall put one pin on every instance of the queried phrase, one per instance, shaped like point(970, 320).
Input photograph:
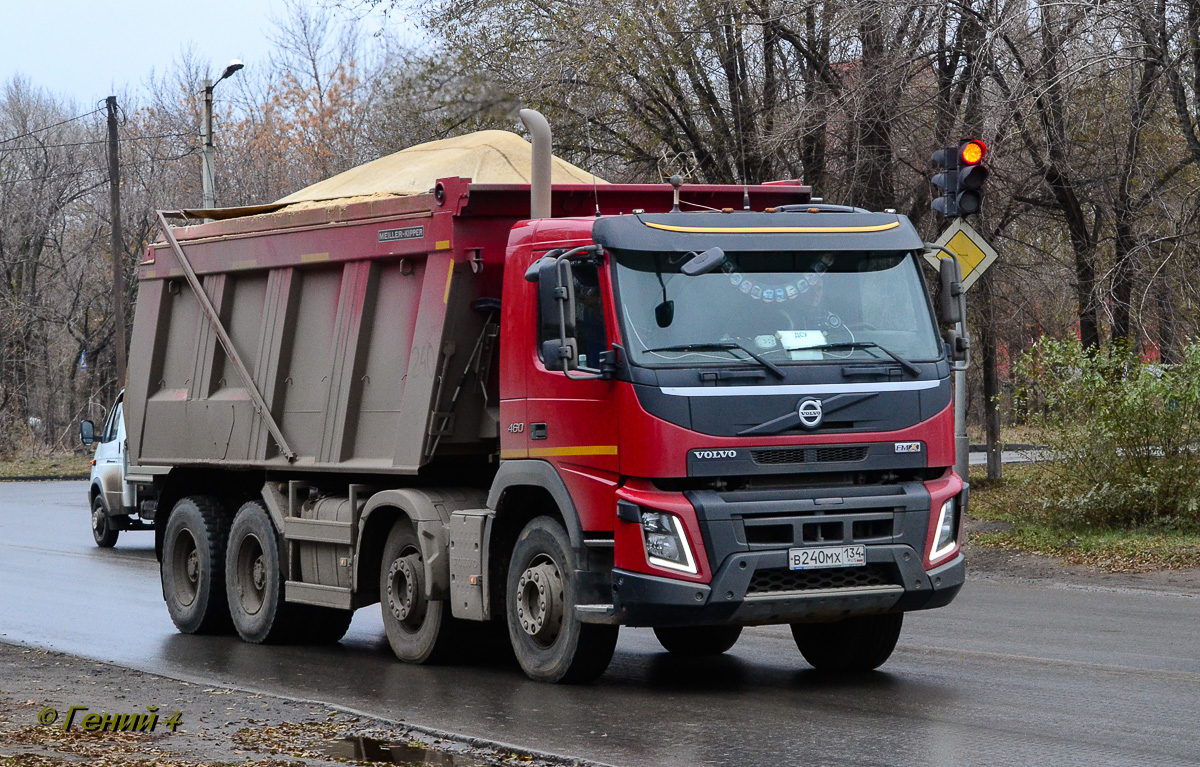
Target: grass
point(56, 466)
point(1010, 434)
point(1022, 527)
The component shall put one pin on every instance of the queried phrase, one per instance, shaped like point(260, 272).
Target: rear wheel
point(253, 582)
point(550, 643)
point(854, 644)
point(418, 629)
point(696, 641)
point(193, 565)
point(104, 532)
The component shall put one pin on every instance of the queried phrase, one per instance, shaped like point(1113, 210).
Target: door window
point(589, 317)
point(111, 425)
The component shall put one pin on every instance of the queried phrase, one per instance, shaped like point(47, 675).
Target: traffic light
point(961, 179)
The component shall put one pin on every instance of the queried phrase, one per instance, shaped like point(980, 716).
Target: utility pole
point(207, 169)
point(118, 241)
point(207, 172)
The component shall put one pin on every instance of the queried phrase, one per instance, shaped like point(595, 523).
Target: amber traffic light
point(961, 178)
point(972, 152)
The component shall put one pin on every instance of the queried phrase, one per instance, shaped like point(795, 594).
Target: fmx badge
point(403, 233)
point(908, 447)
point(974, 253)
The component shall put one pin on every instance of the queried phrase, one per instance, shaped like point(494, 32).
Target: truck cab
point(772, 440)
point(113, 502)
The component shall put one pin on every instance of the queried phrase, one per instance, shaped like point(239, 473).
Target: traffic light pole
point(961, 180)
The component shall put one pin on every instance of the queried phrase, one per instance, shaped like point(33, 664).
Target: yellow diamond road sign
point(973, 252)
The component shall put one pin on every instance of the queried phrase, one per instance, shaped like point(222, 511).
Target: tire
point(253, 582)
point(854, 644)
point(698, 641)
point(419, 630)
point(104, 532)
point(321, 625)
point(550, 643)
point(193, 566)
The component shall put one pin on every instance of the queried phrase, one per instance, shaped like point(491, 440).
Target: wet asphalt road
point(1011, 673)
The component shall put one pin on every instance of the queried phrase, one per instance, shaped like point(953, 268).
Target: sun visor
point(742, 231)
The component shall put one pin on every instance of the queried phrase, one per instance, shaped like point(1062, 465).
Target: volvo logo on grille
point(810, 413)
point(704, 455)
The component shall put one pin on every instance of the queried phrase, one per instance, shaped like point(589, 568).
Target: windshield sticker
point(776, 293)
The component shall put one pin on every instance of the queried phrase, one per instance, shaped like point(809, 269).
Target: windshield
point(784, 306)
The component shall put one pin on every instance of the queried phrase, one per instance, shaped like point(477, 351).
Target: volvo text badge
point(810, 413)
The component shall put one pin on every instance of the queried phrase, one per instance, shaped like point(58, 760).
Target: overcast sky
point(88, 49)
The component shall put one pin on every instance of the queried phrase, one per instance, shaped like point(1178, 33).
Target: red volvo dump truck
point(692, 409)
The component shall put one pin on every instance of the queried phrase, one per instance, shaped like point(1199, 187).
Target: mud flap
point(470, 530)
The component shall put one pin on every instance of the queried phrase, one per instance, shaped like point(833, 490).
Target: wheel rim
point(99, 522)
point(251, 575)
point(540, 601)
point(185, 566)
point(405, 594)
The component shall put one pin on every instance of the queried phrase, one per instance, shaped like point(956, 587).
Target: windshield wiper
point(728, 345)
point(911, 368)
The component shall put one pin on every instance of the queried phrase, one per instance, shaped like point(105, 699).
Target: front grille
point(774, 456)
point(868, 526)
point(779, 581)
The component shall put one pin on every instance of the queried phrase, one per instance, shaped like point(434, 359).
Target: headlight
point(943, 540)
point(666, 543)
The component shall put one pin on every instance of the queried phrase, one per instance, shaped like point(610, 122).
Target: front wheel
point(418, 629)
point(550, 643)
point(854, 644)
point(104, 531)
point(697, 641)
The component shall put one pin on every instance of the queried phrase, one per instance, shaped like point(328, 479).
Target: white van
point(113, 501)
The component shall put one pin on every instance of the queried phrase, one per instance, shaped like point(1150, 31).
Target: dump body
point(355, 323)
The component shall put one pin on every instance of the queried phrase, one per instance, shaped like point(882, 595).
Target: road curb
point(431, 732)
point(46, 478)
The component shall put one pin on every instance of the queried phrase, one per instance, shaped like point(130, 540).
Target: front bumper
point(756, 587)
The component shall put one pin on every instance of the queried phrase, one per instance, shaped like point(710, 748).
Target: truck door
point(109, 457)
point(573, 423)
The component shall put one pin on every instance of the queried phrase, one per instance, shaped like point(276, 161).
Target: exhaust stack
point(539, 183)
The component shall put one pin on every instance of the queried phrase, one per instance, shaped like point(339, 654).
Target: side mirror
point(556, 304)
point(950, 300)
point(87, 432)
point(703, 263)
point(555, 354)
point(556, 296)
point(958, 345)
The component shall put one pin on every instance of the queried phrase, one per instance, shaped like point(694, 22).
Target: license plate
point(827, 556)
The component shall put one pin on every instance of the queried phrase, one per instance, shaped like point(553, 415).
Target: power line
point(84, 171)
point(89, 143)
point(79, 172)
point(52, 125)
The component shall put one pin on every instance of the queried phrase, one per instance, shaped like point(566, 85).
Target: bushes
point(1125, 436)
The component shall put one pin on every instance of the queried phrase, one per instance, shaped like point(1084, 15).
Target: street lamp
point(207, 172)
